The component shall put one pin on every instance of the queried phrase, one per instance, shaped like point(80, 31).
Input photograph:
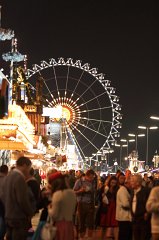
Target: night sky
point(120, 38)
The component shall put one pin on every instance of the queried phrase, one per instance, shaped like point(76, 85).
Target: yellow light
point(66, 113)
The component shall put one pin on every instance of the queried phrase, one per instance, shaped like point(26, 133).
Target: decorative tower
point(39, 87)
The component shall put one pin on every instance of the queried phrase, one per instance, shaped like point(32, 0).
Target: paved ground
point(96, 235)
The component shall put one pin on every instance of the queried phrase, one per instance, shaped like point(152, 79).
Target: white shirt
point(134, 202)
point(123, 201)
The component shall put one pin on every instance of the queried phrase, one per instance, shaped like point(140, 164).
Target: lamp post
point(121, 146)
point(107, 152)
point(136, 138)
point(127, 142)
point(147, 139)
point(154, 117)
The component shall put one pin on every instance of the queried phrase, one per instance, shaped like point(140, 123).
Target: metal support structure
point(11, 74)
point(147, 139)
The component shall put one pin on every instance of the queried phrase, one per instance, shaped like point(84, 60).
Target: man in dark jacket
point(3, 174)
point(140, 218)
point(18, 210)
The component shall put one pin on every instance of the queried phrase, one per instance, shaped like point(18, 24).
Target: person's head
point(50, 172)
point(4, 169)
point(90, 175)
point(57, 181)
point(136, 181)
point(127, 182)
point(127, 173)
point(145, 177)
point(113, 182)
point(106, 181)
point(78, 173)
point(24, 165)
point(118, 172)
point(121, 179)
point(71, 172)
point(31, 172)
point(151, 178)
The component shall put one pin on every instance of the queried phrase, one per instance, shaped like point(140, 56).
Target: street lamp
point(154, 117)
point(121, 146)
point(127, 142)
point(136, 138)
point(147, 141)
point(107, 152)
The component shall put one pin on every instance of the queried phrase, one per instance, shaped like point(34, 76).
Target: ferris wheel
point(92, 110)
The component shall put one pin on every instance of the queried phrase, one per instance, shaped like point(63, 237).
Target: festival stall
point(16, 132)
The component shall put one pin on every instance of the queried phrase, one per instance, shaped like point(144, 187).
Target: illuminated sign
point(30, 108)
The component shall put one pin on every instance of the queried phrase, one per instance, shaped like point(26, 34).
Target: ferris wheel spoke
point(86, 145)
point(96, 120)
point(31, 86)
point(44, 81)
point(92, 130)
point(89, 87)
point(67, 80)
point(104, 128)
point(76, 141)
point(48, 79)
point(48, 89)
point(86, 139)
point(77, 84)
point(95, 109)
point(92, 99)
point(56, 81)
point(91, 124)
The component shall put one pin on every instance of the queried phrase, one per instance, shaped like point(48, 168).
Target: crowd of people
point(123, 206)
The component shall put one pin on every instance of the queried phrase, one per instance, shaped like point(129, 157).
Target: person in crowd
point(62, 206)
point(43, 203)
point(79, 174)
point(34, 186)
point(123, 210)
point(99, 193)
point(34, 195)
point(71, 178)
point(3, 174)
point(45, 197)
point(121, 179)
point(108, 221)
point(103, 177)
point(151, 182)
point(155, 182)
point(141, 226)
point(18, 210)
point(85, 192)
point(101, 199)
point(118, 172)
point(146, 180)
point(152, 207)
point(127, 173)
point(37, 176)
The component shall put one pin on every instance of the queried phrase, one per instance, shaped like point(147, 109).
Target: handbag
point(37, 233)
point(48, 231)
